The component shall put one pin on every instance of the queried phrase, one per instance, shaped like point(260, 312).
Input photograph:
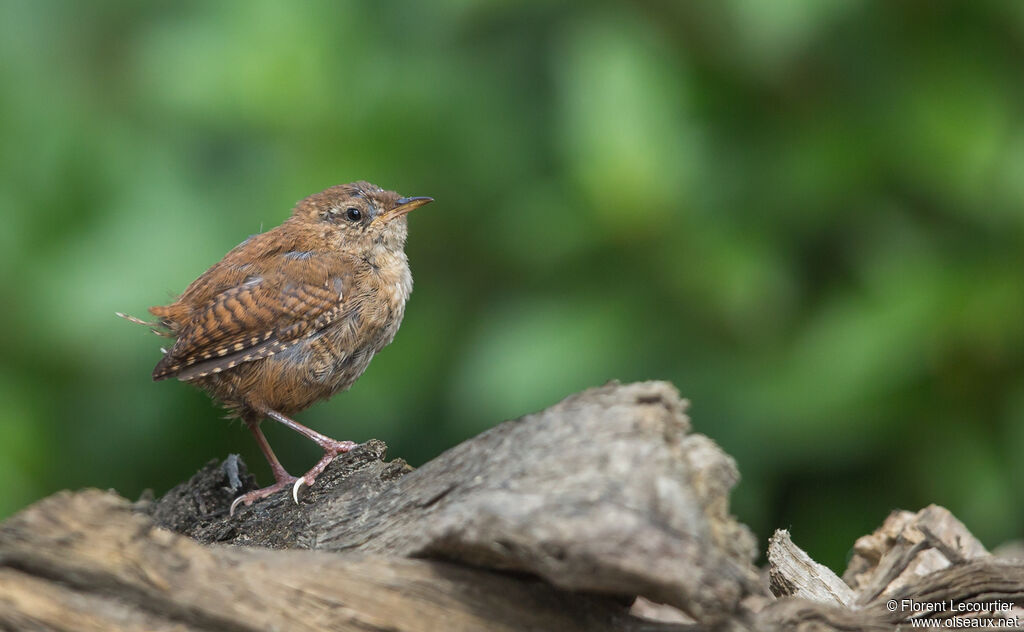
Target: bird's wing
point(262, 315)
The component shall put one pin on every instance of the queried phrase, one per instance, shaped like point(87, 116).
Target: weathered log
point(584, 506)
point(923, 565)
point(988, 588)
point(556, 521)
point(86, 561)
point(604, 492)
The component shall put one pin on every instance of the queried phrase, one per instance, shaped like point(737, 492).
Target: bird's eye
point(353, 214)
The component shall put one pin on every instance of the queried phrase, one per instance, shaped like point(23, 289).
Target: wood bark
point(913, 561)
point(603, 512)
point(87, 561)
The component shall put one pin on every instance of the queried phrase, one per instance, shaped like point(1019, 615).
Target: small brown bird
point(294, 315)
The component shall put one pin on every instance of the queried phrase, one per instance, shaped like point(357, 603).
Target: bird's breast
point(390, 286)
point(373, 313)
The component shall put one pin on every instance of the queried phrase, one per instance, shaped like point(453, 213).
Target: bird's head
point(359, 216)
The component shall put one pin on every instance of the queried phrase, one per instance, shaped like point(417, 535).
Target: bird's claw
point(299, 482)
point(283, 480)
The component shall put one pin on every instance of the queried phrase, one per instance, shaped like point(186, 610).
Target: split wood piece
point(906, 547)
point(792, 573)
point(964, 588)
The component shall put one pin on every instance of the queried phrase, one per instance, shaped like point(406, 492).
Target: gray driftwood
point(793, 573)
point(604, 492)
point(928, 557)
point(603, 512)
point(575, 510)
point(86, 561)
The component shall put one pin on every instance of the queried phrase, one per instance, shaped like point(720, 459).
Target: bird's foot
point(332, 449)
point(249, 498)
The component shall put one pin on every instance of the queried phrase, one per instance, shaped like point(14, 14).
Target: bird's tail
point(157, 328)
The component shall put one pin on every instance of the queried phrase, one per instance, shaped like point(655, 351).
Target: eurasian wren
point(294, 315)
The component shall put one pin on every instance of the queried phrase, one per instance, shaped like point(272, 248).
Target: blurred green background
point(809, 216)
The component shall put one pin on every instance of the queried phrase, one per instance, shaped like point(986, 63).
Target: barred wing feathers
point(261, 316)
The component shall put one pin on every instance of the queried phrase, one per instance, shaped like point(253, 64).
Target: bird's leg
point(331, 448)
point(281, 476)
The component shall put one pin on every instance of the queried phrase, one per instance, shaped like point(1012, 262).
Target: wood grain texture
point(556, 521)
point(86, 561)
point(927, 557)
point(605, 492)
point(793, 573)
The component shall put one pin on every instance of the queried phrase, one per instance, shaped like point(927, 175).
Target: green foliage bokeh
point(807, 215)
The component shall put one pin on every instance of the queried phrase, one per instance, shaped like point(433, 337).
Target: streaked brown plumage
point(294, 315)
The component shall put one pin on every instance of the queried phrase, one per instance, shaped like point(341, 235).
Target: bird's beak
point(404, 205)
